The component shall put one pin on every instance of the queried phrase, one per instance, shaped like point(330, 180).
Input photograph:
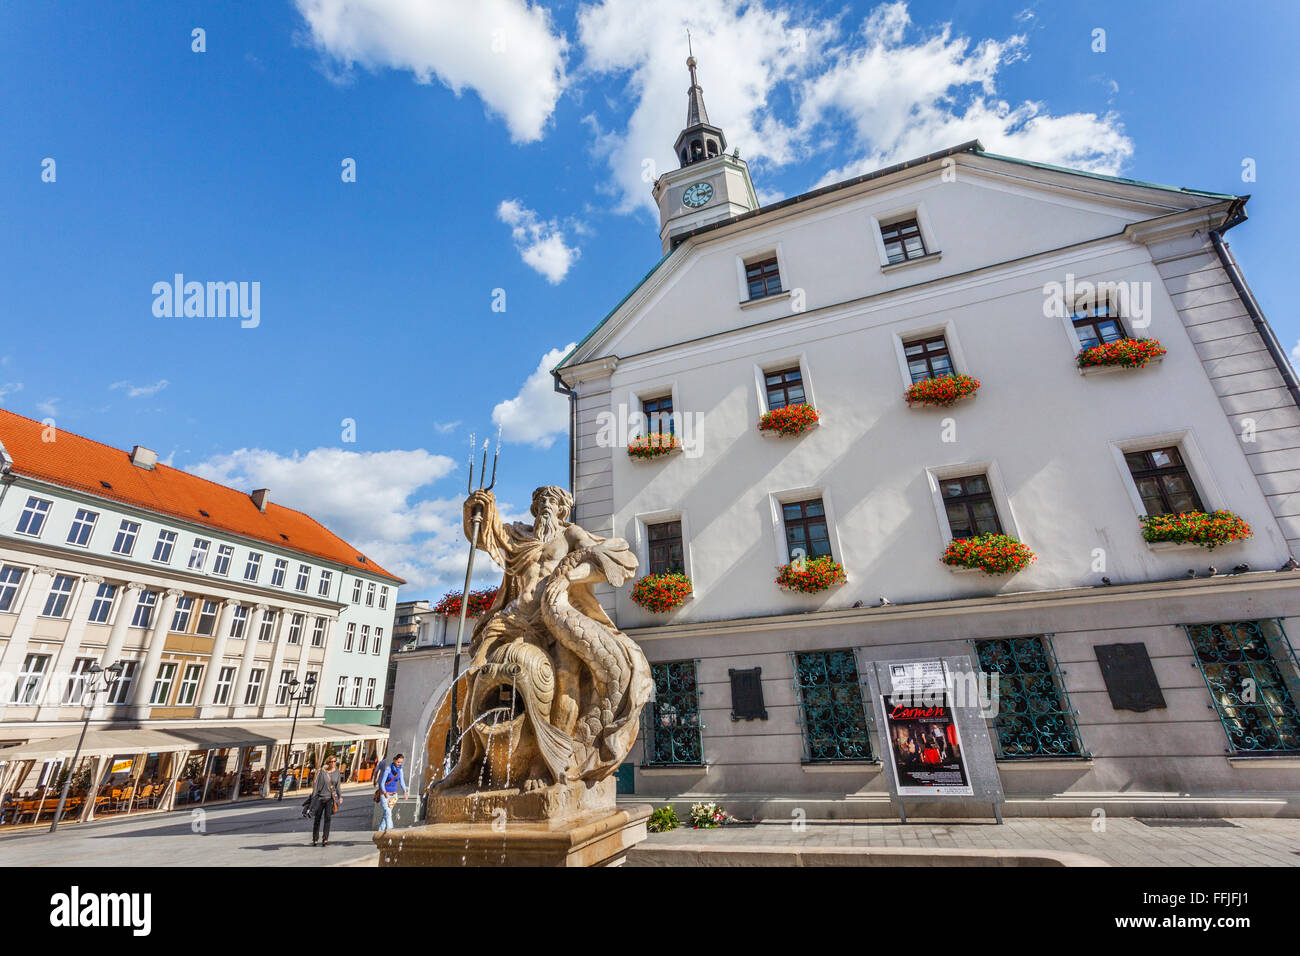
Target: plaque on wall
point(747, 694)
point(1130, 678)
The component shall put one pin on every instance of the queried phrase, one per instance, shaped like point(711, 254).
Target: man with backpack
point(391, 780)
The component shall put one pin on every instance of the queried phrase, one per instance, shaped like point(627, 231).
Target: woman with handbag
point(386, 793)
point(325, 798)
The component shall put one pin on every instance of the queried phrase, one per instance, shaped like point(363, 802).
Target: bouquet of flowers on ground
point(708, 816)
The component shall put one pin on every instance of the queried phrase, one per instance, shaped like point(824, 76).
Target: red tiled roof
point(88, 466)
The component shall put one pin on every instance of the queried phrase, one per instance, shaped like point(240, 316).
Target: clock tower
point(709, 185)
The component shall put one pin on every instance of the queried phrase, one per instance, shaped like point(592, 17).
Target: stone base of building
point(599, 839)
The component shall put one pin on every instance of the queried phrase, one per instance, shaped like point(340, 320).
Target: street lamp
point(97, 680)
point(298, 697)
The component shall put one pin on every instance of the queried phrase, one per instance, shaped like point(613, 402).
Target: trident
point(453, 736)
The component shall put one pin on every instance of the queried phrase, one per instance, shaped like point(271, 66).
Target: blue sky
point(500, 145)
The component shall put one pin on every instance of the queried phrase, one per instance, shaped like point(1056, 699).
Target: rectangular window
point(370, 692)
point(189, 685)
point(295, 629)
point(82, 525)
point(120, 692)
point(969, 505)
point(834, 718)
point(356, 591)
point(10, 578)
point(56, 602)
point(784, 388)
point(225, 681)
point(254, 567)
point(221, 565)
point(1034, 716)
point(340, 692)
point(76, 688)
point(665, 539)
point(365, 639)
point(763, 278)
point(318, 633)
point(350, 637)
point(902, 241)
point(379, 640)
point(278, 572)
point(1163, 481)
point(32, 520)
point(199, 554)
point(254, 690)
point(266, 633)
point(1097, 324)
point(102, 608)
point(671, 722)
point(356, 692)
point(144, 607)
point(928, 358)
point(1251, 671)
point(162, 549)
point(806, 534)
point(28, 688)
point(238, 621)
point(207, 619)
point(127, 532)
point(304, 576)
point(370, 594)
point(383, 599)
point(181, 619)
point(323, 589)
point(162, 685)
point(283, 689)
point(658, 414)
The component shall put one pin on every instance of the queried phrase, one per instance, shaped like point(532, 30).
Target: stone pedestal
point(601, 838)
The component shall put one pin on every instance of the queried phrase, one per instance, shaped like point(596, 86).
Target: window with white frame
point(189, 689)
point(162, 685)
point(181, 618)
point(350, 637)
point(318, 633)
point(282, 689)
point(379, 639)
point(356, 591)
point(82, 525)
point(120, 693)
point(28, 688)
point(56, 602)
point(221, 566)
point(254, 691)
point(295, 629)
point(370, 594)
point(304, 577)
point(238, 622)
point(370, 692)
point(32, 520)
point(10, 578)
point(207, 618)
point(162, 549)
point(254, 566)
point(127, 532)
point(278, 572)
point(199, 554)
point(383, 599)
point(102, 608)
point(323, 589)
point(365, 639)
point(225, 681)
point(144, 608)
point(340, 692)
point(77, 677)
point(356, 692)
point(266, 633)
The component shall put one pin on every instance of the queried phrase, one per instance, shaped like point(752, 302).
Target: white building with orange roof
point(222, 608)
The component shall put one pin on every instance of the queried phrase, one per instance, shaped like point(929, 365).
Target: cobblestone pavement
point(261, 833)
point(1124, 842)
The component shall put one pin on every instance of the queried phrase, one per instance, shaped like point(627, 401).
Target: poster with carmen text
point(925, 747)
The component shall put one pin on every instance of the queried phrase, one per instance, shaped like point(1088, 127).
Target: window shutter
point(747, 694)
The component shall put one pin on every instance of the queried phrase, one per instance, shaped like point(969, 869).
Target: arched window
point(697, 149)
point(713, 147)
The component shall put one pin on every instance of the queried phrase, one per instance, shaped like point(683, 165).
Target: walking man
point(325, 799)
point(392, 780)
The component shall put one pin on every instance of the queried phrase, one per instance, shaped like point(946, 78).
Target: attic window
point(105, 484)
point(284, 536)
point(361, 558)
point(204, 513)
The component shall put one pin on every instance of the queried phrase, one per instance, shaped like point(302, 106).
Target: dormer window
point(903, 241)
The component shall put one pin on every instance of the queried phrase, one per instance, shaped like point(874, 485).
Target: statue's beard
point(547, 526)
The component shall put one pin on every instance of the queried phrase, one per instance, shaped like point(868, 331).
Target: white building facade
point(965, 263)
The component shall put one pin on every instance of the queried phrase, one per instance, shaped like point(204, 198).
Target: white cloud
point(538, 414)
point(788, 87)
point(507, 51)
point(540, 242)
point(8, 388)
point(48, 408)
point(140, 391)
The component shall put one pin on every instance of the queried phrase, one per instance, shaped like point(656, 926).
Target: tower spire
point(699, 140)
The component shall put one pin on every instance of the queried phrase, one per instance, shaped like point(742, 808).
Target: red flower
point(652, 445)
point(1126, 353)
point(791, 420)
point(1196, 527)
point(990, 553)
point(662, 592)
point(479, 602)
point(811, 576)
point(945, 390)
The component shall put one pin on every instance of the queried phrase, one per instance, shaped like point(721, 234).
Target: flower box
point(990, 553)
point(653, 445)
point(943, 392)
point(1122, 353)
point(1195, 527)
point(812, 576)
point(479, 602)
point(660, 593)
point(791, 420)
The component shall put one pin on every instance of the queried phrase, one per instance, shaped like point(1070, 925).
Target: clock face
point(696, 195)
